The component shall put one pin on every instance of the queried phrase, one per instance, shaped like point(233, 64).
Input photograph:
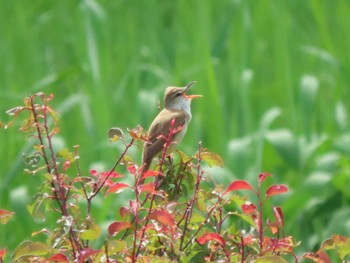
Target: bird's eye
point(178, 94)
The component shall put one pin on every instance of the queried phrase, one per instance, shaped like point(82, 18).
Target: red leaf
point(3, 252)
point(58, 258)
point(163, 217)
point(116, 187)
point(211, 236)
point(148, 188)
point(49, 97)
point(248, 240)
point(111, 174)
point(66, 165)
point(273, 226)
point(116, 227)
point(276, 189)
point(151, 173)
point(238, 185)
point(5, 216)
point(263, 176)
point(86, 253)
point(132, 169)
point(248, 208)
point(93, 172)
point(123, 211)
point(318, 257)
point(277, 211)
point(134, 206)
point(138, 134)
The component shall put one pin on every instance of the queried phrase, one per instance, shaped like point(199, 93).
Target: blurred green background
point(274, 74)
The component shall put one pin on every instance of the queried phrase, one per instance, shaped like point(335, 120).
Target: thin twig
point(190, 205)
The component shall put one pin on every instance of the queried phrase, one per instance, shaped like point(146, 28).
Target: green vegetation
point(274, 75)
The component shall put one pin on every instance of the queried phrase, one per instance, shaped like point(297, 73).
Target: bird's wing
point(163, 123)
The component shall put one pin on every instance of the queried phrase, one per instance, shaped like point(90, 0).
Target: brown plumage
point(177, 107)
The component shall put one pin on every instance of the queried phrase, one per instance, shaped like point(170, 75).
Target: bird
point(175, 116)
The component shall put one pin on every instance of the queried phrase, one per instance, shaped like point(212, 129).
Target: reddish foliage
point(263, 176)
point(134, 206)
point(111, 174)
point(3, 252)
point(238, 185)
point(211, 237)
point(59, 257)
point(93, 172)
point(277, 211)
point(66, 165)
point(163, 217)
point(276, 189)
point(86, 253)
point(123, 211)
point(318, 257)
point(151, 173)
point(153, 225)
point(147, 188)
point(248, 208)
point(116, 227)
point(116, 187)
point(132, 169)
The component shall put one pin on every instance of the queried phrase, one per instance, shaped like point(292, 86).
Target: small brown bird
point(177, 108)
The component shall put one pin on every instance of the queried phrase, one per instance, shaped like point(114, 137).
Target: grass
point(274, 75)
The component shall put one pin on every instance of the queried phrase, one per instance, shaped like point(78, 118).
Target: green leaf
point(270, 259)
point(246, 218)
point(93, 232)
point(341, 244)
point(212, 159)
point(66, 154)
point(30, 249)
point(200, 202)
point(197, 218)
point(34, 207)
point(183, 156)
point(32, 160)
point(116, 246)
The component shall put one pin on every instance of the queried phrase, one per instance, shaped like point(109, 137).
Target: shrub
point(174, 217)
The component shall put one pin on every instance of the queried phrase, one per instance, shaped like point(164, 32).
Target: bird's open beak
point(190, 96)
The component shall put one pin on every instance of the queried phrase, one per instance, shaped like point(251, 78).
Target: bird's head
point(176, 97)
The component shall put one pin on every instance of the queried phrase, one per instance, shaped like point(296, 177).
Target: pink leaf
point(111, 174)
point(163, 217)
point(320, 256)
point(147, 188)
point(132, 169)
point(66, 165)
point(116, 227)
point(5, 216)
point(276, 189)
point(248, 208)
point(238, 185)
point(86, 253)
point(123, 211)
point(3, 252)
point(93, 172)
point(211, 236)
point(151, 173)
point(116, 187)
point(59, 257)
point(134, 206)
point(277, 211)
point(263, 176)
